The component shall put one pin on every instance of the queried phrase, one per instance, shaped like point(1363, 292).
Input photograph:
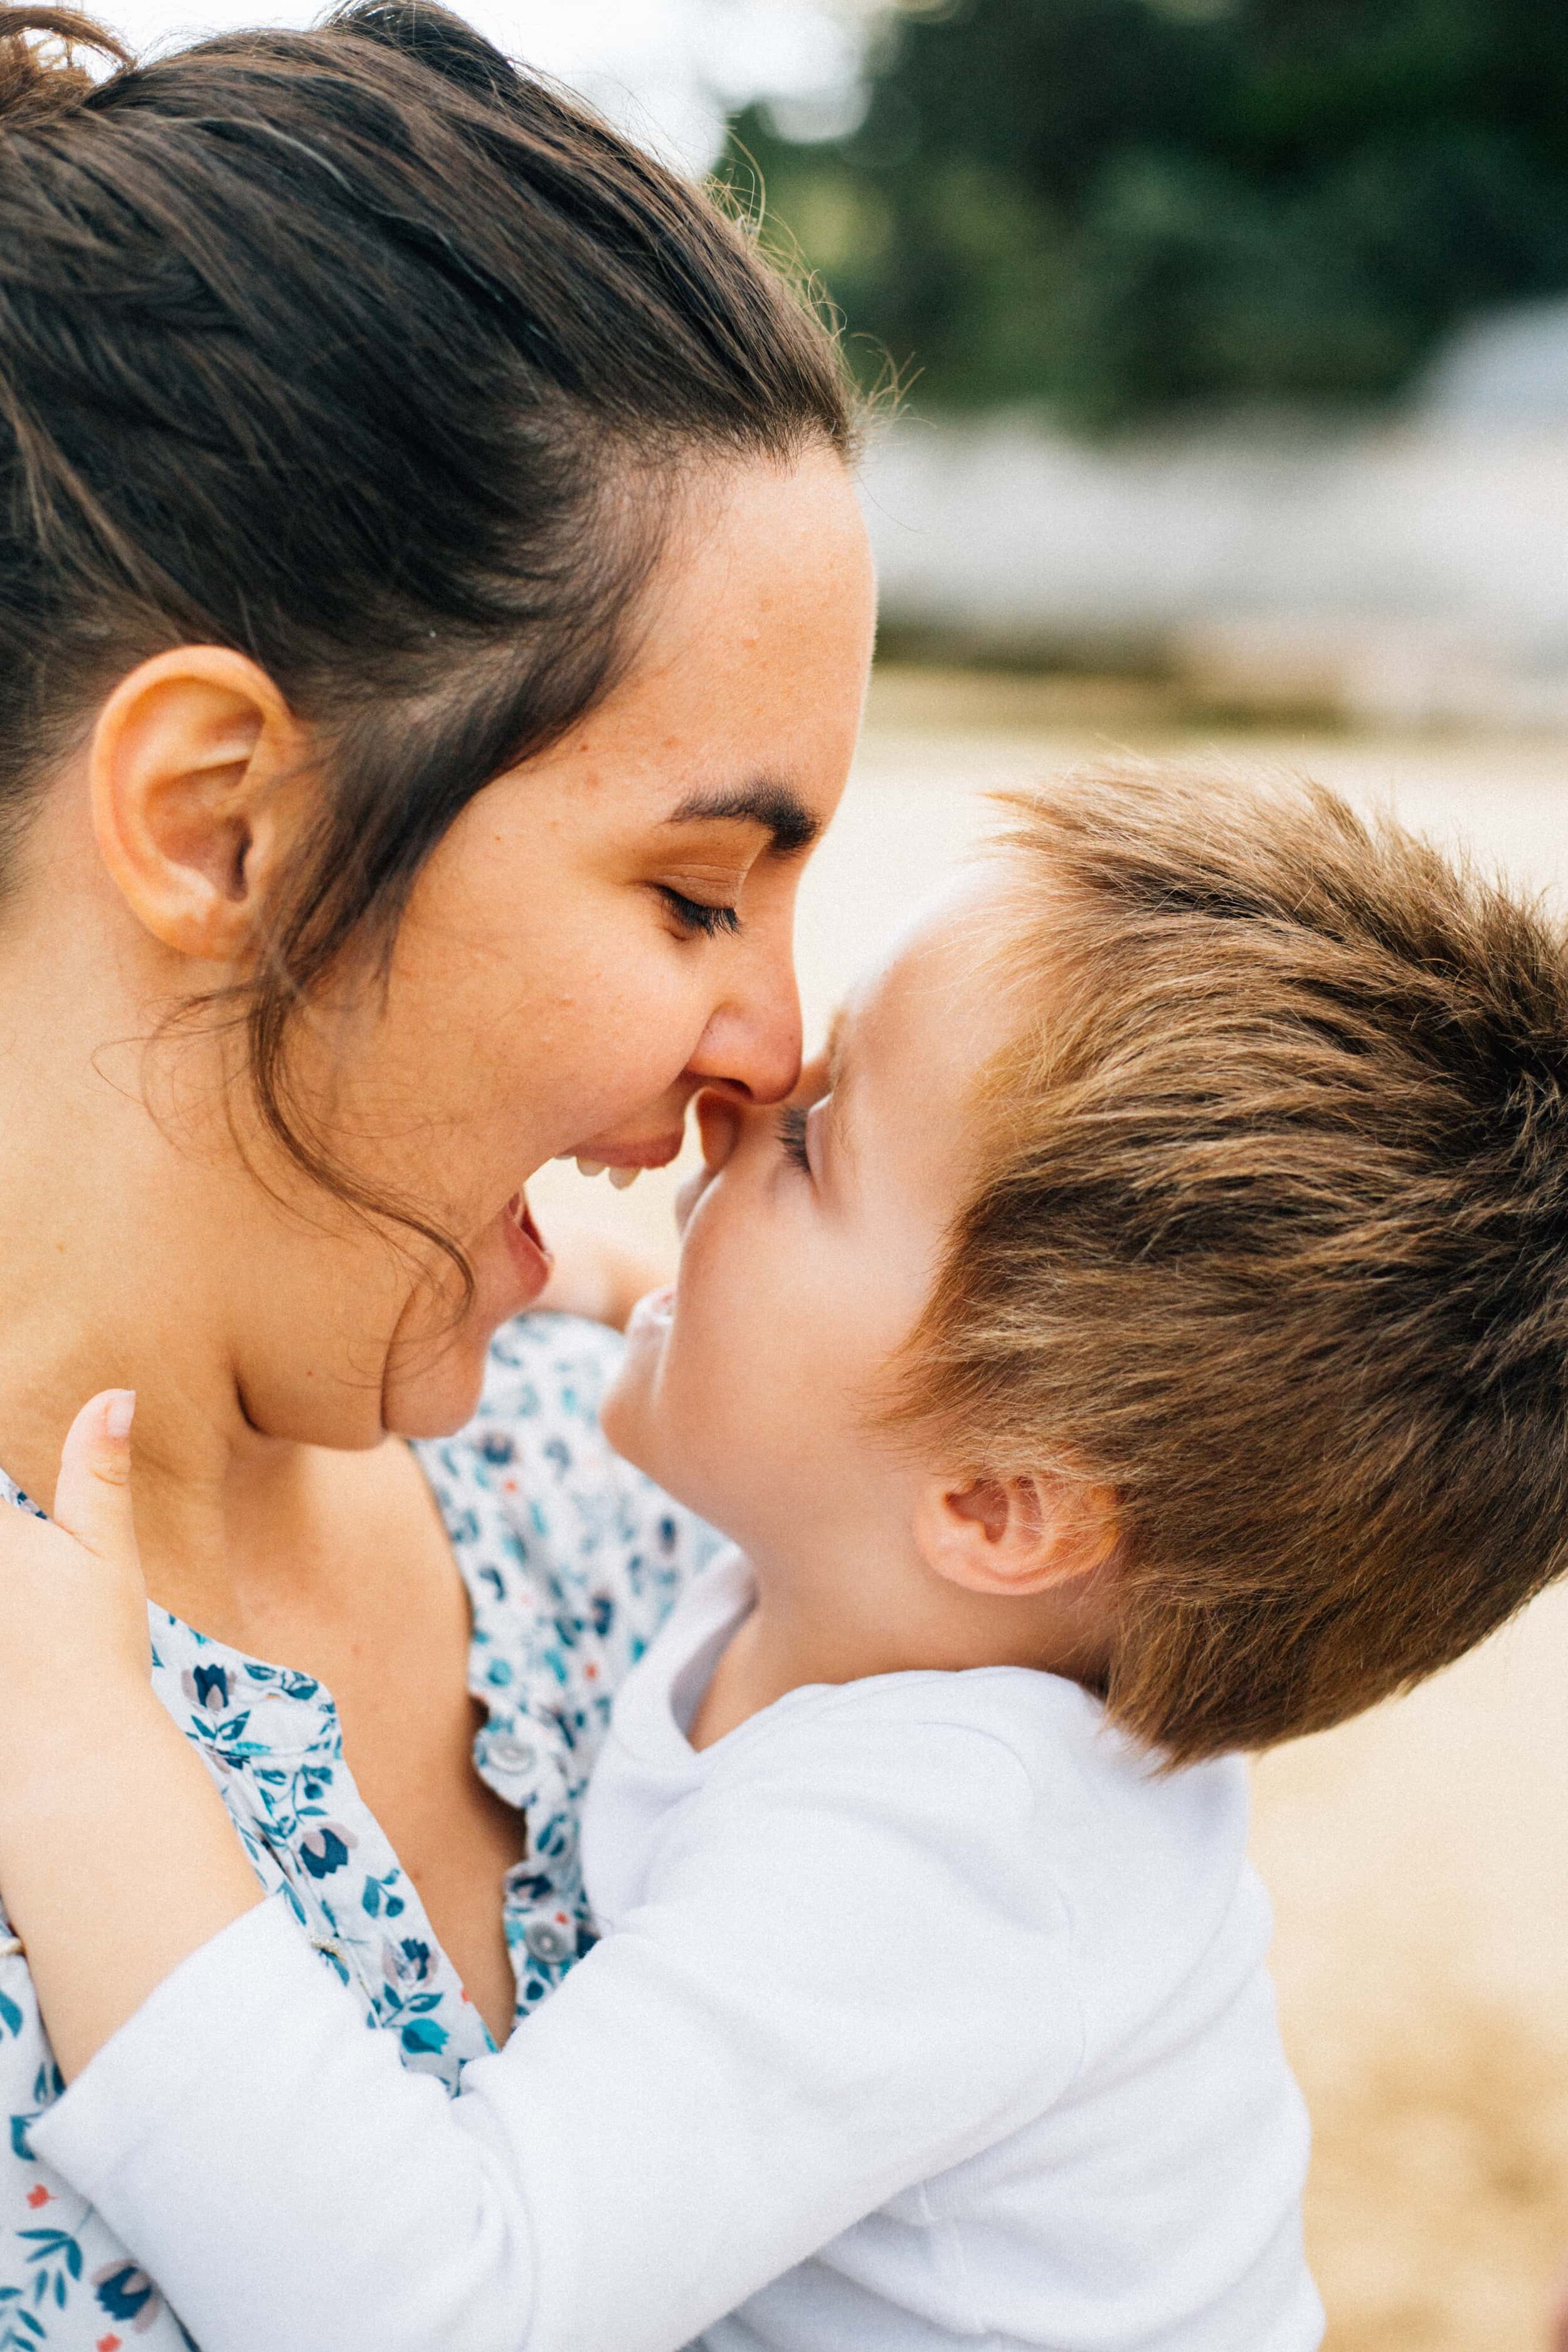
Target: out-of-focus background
point(1230, 339)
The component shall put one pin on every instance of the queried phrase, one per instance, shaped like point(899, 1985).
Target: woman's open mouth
point(527, 1247)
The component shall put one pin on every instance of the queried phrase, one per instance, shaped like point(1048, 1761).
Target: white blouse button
point(505, 1753)
point(548, 1941)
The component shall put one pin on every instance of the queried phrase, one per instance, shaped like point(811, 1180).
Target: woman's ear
point(1016, 1535)
point(191, 760)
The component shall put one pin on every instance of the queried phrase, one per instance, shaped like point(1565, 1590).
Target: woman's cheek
point(619, 1052)
point(601, 1084)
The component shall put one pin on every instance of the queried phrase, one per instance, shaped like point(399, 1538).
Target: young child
point(1154, 1345)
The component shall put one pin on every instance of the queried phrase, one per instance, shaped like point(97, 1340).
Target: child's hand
point(73, 1607)
point(596, 1277)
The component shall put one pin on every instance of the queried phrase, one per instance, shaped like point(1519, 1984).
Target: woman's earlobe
point(1016, 1535)
point(191, 758)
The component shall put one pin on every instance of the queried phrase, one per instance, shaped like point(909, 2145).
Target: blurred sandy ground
point(1418, 1858)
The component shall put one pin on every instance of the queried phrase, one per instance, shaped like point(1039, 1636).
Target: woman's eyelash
point(696, 915)
point(792, 1135)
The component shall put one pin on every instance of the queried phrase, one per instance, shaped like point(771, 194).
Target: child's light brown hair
point(1272, 1236)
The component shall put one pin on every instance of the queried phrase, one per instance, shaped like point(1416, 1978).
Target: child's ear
point(1016, 1535)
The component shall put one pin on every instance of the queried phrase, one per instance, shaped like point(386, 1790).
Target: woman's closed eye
point(792, 1135)
point(697, 917)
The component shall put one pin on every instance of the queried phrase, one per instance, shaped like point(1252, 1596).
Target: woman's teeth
point(619, 1177)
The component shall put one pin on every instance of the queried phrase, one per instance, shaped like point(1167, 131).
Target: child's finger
point(92, 1498)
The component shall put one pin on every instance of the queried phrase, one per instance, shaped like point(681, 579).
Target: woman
point(434, 619)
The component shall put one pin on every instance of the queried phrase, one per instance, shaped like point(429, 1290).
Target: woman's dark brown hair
point(375, 358)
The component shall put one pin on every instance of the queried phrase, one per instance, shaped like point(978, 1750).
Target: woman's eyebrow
point(788, 821)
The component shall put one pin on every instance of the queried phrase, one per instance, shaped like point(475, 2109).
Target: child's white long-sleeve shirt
point(926, 2015)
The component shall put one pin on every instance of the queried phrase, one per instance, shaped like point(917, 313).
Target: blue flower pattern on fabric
point(572, 1560)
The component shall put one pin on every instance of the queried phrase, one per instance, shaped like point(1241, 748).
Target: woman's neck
point(139, 1250)
point(237, 1530)
point(127, 1261)
point(101, 1286)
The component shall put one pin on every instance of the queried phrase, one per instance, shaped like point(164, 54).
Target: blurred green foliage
point(1116, 207)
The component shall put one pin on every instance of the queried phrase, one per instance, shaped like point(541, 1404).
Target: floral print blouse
point(572, 1559)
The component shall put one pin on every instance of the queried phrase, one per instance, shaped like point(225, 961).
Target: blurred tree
point(1119, 207)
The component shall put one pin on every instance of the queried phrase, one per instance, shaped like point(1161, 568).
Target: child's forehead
point(930, 1008)
point(834, 1053)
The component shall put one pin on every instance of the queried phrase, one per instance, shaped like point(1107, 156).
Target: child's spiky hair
point(1272, 1236)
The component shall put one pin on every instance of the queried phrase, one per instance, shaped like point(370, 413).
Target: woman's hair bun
point(40, 81)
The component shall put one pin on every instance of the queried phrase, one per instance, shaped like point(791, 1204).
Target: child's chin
point(623, 1415)
point(630, 1418)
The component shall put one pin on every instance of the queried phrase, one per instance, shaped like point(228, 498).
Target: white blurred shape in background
point(667, 70)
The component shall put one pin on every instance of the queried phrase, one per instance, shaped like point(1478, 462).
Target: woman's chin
point(440, 1393)
point(435, 1368)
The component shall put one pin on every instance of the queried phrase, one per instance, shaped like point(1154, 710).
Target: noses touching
point(749, 1053)
point(750, 1048)
point(721, 1118)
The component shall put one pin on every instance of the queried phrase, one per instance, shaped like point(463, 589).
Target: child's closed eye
point(792, 1135)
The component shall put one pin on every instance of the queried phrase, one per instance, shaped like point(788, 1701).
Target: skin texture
point(545, 996)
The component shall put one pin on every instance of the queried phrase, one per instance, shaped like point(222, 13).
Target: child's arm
point(842, 1982)
point(101, 1799)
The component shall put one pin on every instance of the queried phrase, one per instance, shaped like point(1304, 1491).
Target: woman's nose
point(751, 1046)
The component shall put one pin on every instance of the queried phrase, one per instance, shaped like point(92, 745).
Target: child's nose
point(719, 1120)
point(718, 1117)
